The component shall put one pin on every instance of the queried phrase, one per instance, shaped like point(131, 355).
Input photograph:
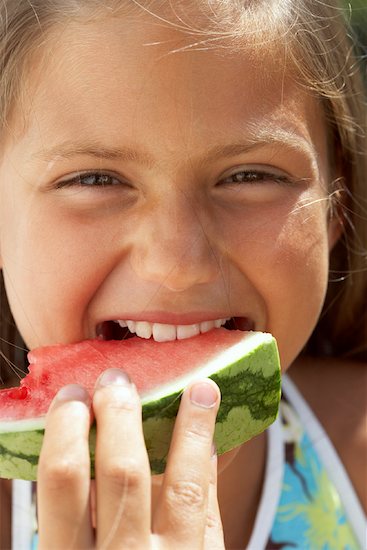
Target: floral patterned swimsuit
point(307, 503)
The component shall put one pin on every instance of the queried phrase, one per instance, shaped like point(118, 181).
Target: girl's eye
point(254, 176)
point(95, 179)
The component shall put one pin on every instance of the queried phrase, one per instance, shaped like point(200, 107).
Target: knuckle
point(199, 432)
point(63, 473)
point(187, 493)
point(127, 473)
point(118, 407)
point(115, 399)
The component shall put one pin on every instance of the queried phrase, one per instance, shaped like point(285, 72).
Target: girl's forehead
point(141, 80)
point(145, 49)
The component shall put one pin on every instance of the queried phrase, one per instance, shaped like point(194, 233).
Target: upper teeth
point(164, 333)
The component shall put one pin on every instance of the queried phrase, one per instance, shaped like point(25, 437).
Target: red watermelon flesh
point(148, 363)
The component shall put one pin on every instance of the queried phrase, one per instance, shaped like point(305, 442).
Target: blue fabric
point(310, 514)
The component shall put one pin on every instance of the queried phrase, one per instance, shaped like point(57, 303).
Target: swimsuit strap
point(23, 514)
point(272, 487)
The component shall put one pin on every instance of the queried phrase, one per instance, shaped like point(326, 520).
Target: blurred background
point(357, 10)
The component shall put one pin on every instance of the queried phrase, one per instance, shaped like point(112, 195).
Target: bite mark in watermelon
point(245, 365)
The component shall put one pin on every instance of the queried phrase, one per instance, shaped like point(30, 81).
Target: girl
point(170, 164)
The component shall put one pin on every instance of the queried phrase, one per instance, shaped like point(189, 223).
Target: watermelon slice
point(245, 365)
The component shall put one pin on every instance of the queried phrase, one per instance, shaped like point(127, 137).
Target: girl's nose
point(173, 247)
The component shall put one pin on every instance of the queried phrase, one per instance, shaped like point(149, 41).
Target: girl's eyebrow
point(69, 149)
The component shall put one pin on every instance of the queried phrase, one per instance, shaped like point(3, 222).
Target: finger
point(214, 537)
point(93, 503)
point(64, 472)
point(123, 482)
point(182, 508)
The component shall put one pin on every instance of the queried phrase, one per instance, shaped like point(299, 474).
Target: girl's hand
point(186, 514)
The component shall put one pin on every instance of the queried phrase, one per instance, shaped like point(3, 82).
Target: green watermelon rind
point(248, 375)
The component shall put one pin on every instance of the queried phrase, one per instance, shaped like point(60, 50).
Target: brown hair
point(321, 50)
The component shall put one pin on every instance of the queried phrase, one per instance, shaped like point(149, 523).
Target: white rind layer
point(250, 342)
point(28, 425)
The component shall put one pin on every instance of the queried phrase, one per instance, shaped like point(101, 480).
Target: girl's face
point(174, 188)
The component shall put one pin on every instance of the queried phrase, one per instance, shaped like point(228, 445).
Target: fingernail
point(204, 395)
point(73, 392)
point(113, 377)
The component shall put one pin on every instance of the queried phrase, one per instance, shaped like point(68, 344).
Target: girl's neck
point(239, 492)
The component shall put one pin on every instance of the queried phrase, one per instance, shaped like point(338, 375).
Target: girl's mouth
point(123, 329)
